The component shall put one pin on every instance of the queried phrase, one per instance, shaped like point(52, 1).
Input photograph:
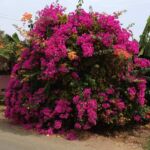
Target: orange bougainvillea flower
point(122, 53)
point(1, 45)
point(26, 16)
point(63, 65)
point(72, 55)
point(22, 49)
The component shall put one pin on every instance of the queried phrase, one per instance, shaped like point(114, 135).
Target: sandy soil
point(13, 137)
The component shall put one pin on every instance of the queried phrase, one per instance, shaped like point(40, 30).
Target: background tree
point(145, 41)
point(10, 48)
point(145, 53)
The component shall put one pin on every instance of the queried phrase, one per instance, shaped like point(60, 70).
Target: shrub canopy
point(77, 72)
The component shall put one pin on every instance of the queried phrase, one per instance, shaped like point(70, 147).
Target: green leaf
point(145, 41)
point(5, 54)
point(15, 38)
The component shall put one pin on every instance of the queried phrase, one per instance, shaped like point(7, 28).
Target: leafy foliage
point(9, 51)
point(145, 41)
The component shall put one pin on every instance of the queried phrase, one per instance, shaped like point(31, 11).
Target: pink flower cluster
point(85, 41)
point(142, 62)
point(141, 94)
point(132, 92)
point(86, 108)
point(47, 20)
point(112, 106)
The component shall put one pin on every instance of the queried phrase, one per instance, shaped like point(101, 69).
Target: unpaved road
point(13, 137)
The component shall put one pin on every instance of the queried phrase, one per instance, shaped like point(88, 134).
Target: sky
point(137, 11)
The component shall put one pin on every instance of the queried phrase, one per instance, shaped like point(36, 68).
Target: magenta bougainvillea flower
point(76, 73)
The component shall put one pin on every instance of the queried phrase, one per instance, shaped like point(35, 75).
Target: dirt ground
point(13, 137)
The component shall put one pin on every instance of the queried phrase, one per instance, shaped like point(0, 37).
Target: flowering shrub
point(76, 73)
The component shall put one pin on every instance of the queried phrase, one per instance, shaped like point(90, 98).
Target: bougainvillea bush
point(77, 73)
